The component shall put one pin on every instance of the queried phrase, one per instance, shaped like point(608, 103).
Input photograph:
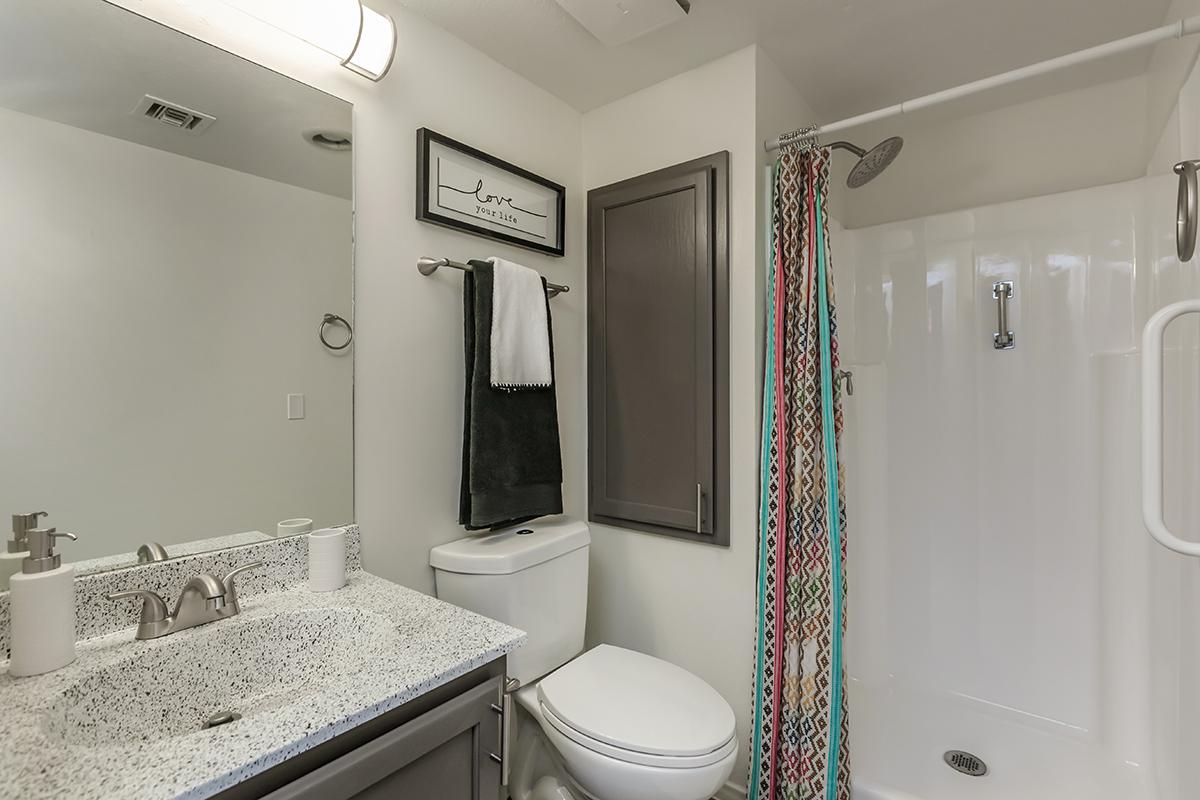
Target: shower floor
point(898, 739)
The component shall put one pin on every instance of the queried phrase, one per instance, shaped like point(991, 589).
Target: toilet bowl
point(622, 725)
point(610, 724)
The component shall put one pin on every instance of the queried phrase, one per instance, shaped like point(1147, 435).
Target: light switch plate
point(616, 22)
point(295, 406)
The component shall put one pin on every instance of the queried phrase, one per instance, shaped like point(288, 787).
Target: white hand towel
point(520, 328)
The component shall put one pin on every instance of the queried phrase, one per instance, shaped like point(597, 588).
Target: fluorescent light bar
point(362, 39)
point(372, 58)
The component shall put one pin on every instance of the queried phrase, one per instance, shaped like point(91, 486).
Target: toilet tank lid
point(512, 549)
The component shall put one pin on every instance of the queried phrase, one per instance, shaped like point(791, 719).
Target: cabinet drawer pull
point(496, 758)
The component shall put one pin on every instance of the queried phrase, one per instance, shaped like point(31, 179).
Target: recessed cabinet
point(658, 352)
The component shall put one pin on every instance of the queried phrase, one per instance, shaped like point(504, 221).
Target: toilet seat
point(638, 709)
point(635, 757)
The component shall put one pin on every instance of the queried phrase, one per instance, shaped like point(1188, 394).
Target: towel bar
point(428, 266)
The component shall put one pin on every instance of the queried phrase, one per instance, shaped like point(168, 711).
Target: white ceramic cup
point(326, 560)
point(290, 527)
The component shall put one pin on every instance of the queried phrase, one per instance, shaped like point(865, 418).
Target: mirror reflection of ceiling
point(84, 63)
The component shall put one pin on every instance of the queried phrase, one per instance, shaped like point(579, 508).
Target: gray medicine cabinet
point(658, 352)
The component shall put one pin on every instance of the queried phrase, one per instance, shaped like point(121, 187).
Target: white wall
point(988, 150)
point(1170, 64)
point(408, 359)
point(691, 603)
point(126, 267)
point(1083, 127)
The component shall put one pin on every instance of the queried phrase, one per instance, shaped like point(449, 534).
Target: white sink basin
point(170, 687)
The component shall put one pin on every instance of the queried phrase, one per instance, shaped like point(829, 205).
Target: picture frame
point(468, 190)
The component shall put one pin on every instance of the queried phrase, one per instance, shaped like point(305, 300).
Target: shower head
point(870, 162)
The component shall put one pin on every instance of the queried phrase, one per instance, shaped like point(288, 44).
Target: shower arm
point(853, 148)
point(1187, 26)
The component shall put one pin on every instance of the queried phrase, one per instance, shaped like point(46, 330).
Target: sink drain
point(221, 718)
point(966, 763)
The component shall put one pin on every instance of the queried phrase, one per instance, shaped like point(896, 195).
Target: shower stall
point(1014, 632)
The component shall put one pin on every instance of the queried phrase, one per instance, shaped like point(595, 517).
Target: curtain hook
point(802, 139)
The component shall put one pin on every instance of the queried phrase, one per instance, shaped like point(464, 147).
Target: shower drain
point(966, 763)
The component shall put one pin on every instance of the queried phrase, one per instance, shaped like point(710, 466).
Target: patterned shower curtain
point(800, 743)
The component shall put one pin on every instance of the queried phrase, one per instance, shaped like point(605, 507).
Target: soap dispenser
point(18, 548)
point(42, 604)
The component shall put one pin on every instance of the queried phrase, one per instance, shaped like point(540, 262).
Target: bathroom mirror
point(171, 239)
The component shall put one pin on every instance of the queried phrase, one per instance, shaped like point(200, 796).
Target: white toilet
point(610, 724)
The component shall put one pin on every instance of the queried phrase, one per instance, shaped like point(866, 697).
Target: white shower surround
point(1005, 598)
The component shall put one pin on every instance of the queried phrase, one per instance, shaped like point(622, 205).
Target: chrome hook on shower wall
point(846, 378)
point(1187, 210)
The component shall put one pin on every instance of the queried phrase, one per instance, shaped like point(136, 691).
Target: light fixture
point(329, 139)
point(372, 58)
point(361, 38)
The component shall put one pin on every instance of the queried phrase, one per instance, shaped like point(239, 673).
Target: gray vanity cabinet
point(449, 753)
point(443, 745)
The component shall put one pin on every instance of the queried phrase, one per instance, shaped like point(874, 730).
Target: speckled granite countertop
point(119, 560)
point(303, 667)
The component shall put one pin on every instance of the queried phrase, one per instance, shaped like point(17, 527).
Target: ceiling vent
point(616, 22)
point(173, 114)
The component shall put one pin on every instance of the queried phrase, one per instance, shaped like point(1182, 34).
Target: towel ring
point(334, 319)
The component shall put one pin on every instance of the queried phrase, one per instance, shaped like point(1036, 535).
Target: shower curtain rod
point(1176, 30)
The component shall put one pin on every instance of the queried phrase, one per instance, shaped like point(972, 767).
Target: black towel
point(512, 465)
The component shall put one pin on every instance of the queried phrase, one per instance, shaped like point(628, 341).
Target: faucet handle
point(231, 595)
point(153, 609)
point(150, 552)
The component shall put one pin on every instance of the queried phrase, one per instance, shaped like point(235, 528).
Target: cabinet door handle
point(496, 758)
point(699, 508)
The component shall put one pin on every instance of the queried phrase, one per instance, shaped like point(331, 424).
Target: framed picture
point(466, 189)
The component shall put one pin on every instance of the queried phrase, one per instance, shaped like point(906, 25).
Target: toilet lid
point(637, 702)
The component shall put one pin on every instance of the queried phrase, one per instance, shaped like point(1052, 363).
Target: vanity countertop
point(419, 643)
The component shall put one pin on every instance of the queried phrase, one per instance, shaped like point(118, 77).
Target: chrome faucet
point(205, 598)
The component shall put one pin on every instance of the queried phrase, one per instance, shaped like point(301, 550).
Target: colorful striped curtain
point(800, 742)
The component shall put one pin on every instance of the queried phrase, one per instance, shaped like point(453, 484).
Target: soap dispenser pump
point(18, 546)
point(42, 604)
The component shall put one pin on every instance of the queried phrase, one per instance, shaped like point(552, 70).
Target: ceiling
point(87, 64)
point(844, 56)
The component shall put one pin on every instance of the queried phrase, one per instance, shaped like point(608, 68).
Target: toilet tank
point(532, 577)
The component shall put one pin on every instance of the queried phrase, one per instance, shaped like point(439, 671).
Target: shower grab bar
point(1152, 427)
point(1003, 338)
